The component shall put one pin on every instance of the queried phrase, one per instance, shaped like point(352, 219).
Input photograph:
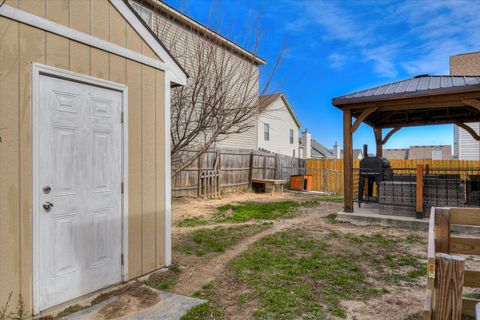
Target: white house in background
point(464, 146)
point(278, 126)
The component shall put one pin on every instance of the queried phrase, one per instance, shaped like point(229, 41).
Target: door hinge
point(121, 187)
point(121, 259)
point(121, 117)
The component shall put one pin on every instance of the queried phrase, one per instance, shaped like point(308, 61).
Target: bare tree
point(221, 97)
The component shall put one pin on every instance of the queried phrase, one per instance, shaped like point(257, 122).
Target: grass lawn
point(267, 210)
point(256, 210)
point(247, 211)
point(205, 241)
point(299, 274)
point(192, 222)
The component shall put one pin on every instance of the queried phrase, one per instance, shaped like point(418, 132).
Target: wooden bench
point(446, 274)
point(259, 184)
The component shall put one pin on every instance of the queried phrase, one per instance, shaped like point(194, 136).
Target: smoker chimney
point(365, 150)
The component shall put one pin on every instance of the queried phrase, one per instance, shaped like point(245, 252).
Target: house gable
point(277, 119)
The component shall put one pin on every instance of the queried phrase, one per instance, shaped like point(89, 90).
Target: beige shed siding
point(21, 45)
point(465, 147)
point(280, 121)
point(9, 160)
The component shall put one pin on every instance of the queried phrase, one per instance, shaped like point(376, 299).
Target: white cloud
point(337, 60)
point(409, 36)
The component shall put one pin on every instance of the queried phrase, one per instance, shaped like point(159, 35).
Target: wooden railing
point(446, 266)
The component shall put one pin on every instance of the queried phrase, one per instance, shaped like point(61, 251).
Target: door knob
point(47, 206)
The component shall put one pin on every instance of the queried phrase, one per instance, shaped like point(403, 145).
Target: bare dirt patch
point(133, 299)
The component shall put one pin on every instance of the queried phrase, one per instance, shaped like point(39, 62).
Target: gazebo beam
point(347, 161)
point(390, 134)
point(412, 102)
point(474, 103)
point(364, 115)
point(469, 129)
point(378, 141)
point(413, 123)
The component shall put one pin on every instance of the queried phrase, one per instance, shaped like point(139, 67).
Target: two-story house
point(278, 126)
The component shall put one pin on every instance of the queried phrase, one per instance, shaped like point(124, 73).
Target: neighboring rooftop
point(357, 154)
point(199, 27)
point(395, 154)
point(320, 151)
point(437, 152)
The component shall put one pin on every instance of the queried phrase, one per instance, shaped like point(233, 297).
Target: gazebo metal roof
point(413, 87)
point(421, 100)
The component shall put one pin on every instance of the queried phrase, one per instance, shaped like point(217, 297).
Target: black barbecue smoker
point(373, 170)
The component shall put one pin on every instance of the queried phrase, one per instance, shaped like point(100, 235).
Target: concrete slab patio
point(171, 307)
point(369, 214)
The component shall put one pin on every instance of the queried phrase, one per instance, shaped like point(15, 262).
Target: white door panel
point(80, 159)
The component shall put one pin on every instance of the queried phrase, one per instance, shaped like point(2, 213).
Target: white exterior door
point(79, 189)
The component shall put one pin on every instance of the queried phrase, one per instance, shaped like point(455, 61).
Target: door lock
point(47, 206)
point(47, 189)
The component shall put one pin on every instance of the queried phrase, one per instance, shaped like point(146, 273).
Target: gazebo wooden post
point(347, 161)
point(378, 141)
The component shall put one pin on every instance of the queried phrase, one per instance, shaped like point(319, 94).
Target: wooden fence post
point(199, 167)
point(442, 230)
point(447, 300)
point(219, 172)
point(419, 191)
point(275, 176)
point(264, 167)
point(250, 172)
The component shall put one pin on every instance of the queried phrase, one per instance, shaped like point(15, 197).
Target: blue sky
point(335, 47)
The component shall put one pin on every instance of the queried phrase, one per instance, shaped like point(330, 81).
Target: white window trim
point(40, 69)
point(265, 126)
point(178, 76)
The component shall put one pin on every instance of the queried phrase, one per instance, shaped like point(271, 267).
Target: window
point(293, 155)
point(291, 136)
point(266, 132)
point(143, 12)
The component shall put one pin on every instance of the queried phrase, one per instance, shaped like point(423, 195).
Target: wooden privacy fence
point(447, 276)
point(227, 170)
point(328, 173)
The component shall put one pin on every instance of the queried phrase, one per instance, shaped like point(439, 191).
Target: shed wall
point(20, 46)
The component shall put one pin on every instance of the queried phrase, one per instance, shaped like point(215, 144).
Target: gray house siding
point(182, 40)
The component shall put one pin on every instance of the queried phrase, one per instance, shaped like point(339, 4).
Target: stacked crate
point(473, 190)
point(446, 190)
point(397, 197)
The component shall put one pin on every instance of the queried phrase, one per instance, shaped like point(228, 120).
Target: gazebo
point(418, 101)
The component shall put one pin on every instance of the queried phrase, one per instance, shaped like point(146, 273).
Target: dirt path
point(200, 274)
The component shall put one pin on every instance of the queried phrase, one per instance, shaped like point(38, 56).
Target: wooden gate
point(210, 184)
